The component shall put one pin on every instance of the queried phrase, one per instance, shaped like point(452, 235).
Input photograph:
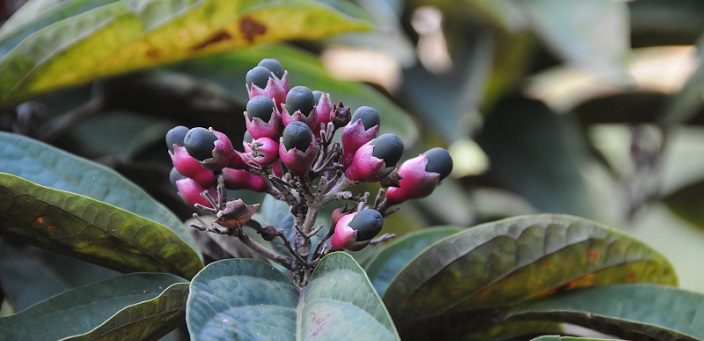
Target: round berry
point(439, 161)
point(258, 76)
point(316, 96)
point(260, 106)
point(274, 66)
point(368, 115)
point(300, 98)
point(367, 223)
point(199, 143)
point(297, 135)
point(174, 176)
point(176, 136)
point(389, 148)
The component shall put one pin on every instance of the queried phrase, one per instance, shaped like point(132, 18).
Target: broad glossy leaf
point(538, 154)
point(51, 167)
point(630, 311)
point(392, 259)
point(590, 34)
point(305, 69)
point(132, 34)
point(508, 261)
point(90, 230)
point(686, 203)
point(130, 307)
point(246, 299)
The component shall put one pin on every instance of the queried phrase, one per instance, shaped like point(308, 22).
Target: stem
point(54, 128)
point(258, 248)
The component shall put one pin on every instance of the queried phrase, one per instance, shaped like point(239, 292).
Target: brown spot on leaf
point(153, 53)
point(631, 276)
point(251, 28)
point(214, 39)
point(593, 256)
point(50, 227)
point(40, 220)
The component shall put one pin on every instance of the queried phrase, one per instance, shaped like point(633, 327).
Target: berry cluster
point(290, 153)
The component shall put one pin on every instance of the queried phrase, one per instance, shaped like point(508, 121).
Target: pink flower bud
point(354, 231)
point(376, 159)
point(262, 118)
point(420, 176)
point(190, 191)
point(263, 151)
point(363, 127)
point(242, 179)
point(190, 167)
point(297, 148)
point(276, 89)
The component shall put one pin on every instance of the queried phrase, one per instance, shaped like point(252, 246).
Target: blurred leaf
point(687, 203)
point(654, 22)
point(590, 34)
point(54, 168)
point(248, 299)
point(538, 154)
point(627, 107)
point(505, 262)
point(130, 307)
point(229, 70)
point(90, 230)
point(127, 35)
point(392, 259)
point(630, 311)
point(687, 102)
point(29, 275)
point(568, 338)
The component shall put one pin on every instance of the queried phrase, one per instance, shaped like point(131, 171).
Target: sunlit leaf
point(130, 307)
point(51, 167)
point(132, 34)
point(630, 311)
point(244, 299)
point(505, 262)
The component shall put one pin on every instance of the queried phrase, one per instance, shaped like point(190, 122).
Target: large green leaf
point(51, 167)
point(90, 230)
point(132, 34)
point(387, 263)
point(244, 299)
point(630, 311)
point(505, 262)
point(130, 307)
point(568, 338)
point(229, 70)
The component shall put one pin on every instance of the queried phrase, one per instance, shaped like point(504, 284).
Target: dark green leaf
point(630, 311)
point(568, 338)
point(127, 35)
point(505, 262)
point(90, 230)
point(244, 299)
point(687, 203)
point(538, 154)
point(130, 307)
point(654, 22)
point(54, 168)
point(305, 69)
point(392, 259)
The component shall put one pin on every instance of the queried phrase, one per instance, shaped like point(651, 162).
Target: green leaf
point(523, 136)
point(51, 167)
point(244, 299)
point(629, 311)
point(90, 230)
point(230, 68)
point(508, 261)
point(130, 307)
point(589, 34)
point(655, 23)
point(686, 203)
point(392, 259)
point(132, 34)
point(568, 338)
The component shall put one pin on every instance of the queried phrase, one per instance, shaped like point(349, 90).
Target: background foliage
point(587, 108)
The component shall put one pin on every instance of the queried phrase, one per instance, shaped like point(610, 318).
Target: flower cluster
point(290, 152)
